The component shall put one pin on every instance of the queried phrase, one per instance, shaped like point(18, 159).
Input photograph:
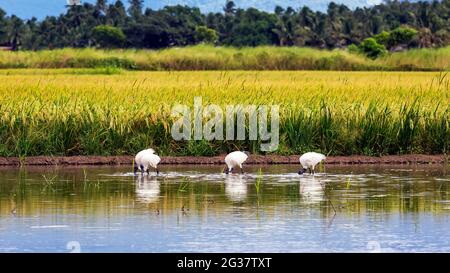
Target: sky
point(40, 8)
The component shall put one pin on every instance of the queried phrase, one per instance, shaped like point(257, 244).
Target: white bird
point(137, 159)
point(235, 159)
point(309, 161)
point(145, 160)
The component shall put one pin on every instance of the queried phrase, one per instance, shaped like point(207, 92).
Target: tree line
point(111, 24)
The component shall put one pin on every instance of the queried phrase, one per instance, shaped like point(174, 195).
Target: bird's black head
point(302, 171)
point(226, 171)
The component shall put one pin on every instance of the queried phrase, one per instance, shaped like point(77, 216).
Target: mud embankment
point(255, 159)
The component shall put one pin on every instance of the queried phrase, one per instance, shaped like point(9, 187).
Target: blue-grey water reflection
point(199, 209)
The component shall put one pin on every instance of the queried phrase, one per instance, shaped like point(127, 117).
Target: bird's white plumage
point(147, 158)
point(310, 160)
point(150, 160)
point(137, 158)
point(235, 159)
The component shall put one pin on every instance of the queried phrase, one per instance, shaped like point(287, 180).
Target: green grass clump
point(204, 57)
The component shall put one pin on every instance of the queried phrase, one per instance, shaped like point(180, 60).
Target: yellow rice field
point(87, 111)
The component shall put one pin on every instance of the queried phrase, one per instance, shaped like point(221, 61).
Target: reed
point(203, 57)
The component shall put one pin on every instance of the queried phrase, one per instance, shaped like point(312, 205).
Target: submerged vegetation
point(64, 112)
point(204, 57)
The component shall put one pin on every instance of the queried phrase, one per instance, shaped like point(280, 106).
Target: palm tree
point(230, 7)
point(15, 30)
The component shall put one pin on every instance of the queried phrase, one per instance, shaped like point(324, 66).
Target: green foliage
point(108, 36)
point(207, 57)
point(206, 35)
point(401, 35)
point(382, 37)
point(372, 49)
point(254, 28)
point(398, 36)
point(353, 48)
point(135, 9)
point(176, 26)
point(424, 59)
point(3, 24)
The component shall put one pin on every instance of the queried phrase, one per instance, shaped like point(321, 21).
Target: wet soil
point(254, 159)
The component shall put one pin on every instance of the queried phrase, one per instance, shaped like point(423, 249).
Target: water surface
point(199, 209)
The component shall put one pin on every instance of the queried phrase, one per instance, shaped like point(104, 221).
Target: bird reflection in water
point(236, 187)
point(311, 190)
point(147, 189)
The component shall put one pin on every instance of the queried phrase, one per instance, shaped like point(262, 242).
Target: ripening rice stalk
point(48, 112)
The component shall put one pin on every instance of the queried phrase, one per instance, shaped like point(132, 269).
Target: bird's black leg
point(157, 171)
point(148, 171)
point(135, 169)
point(242, 170)
point(142, 169)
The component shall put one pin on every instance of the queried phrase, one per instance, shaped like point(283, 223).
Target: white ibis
point(145, 160)
point(234, 160)
point(309, 161)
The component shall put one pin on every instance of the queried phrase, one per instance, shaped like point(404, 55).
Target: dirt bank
point(271, 159)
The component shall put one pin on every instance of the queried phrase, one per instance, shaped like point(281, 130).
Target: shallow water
point(198, 209)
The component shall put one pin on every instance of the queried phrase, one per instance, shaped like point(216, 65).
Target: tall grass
point(419, 59)
point(204, 57)
point(47, 112)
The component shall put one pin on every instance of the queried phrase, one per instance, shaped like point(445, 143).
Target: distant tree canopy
point(396, 39)
point(108, 36)
point(418, 24)
point(206, 35)
point(372, 48)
